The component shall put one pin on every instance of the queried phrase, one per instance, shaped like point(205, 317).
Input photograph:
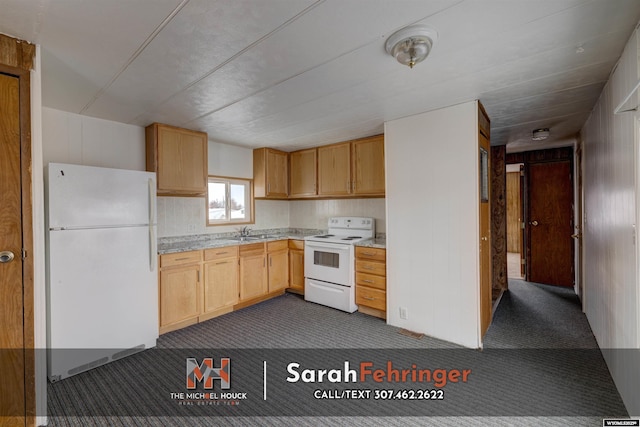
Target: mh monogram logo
point(206, 372)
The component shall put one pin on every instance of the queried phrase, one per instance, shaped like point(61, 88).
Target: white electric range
point(329, 262)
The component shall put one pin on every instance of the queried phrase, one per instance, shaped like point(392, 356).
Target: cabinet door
point(334, 170)
point(278, 270)
point(296, 270)
point(253, 278)
point(179, 294)
point(368, 166)
point(277, 174)
point(303, 173)
point(220, 284)
point(181, 159)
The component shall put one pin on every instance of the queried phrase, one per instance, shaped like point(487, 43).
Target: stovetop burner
point(342, 230)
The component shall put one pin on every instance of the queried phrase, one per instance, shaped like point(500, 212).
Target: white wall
point(82, 140)
point(433, 223)
point(611, 299)
point(72, 138)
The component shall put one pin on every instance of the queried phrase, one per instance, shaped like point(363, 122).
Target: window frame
point(228, 181)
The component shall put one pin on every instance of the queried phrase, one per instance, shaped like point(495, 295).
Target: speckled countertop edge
point(378, 242)
point(173, 244)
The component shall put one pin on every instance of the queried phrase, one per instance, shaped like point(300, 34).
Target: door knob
point(6, 256)
point(534, 223)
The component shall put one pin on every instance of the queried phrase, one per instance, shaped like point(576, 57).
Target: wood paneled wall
point(499, 218)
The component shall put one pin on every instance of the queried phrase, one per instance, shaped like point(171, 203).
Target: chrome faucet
point(245, 231)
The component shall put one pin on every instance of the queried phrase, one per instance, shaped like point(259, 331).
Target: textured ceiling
point(291, 74)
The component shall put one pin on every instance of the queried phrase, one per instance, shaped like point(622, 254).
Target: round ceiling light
point(411, 45)
point(540, 134)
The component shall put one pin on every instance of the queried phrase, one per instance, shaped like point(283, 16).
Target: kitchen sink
point(244, 238)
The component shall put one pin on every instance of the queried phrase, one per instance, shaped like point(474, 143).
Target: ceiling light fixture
point(411, 45)
point(540, 134)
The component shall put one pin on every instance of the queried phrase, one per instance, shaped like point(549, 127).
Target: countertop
point(168, 245)
point(373, 243)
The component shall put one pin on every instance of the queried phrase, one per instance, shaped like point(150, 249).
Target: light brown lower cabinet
point(195, 286)
point(278, 265)
point(371, 281)
point(220, 281)
point(180, 290)
point(253, 271)
point(296, 266)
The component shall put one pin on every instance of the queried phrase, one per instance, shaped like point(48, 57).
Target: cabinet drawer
point(376, 254)
point(373, 298)
point(277, 245)
point(219, 253)
point(180, 258)
point(371, 280)
point(251, 249)
point(371, 267)
point(296, 244)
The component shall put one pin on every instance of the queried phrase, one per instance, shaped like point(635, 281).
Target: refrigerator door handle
point(152, 248)
point(152, 201)
point(152, 217)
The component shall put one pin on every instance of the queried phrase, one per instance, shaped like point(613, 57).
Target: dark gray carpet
point(530, 320)
point(532, 315)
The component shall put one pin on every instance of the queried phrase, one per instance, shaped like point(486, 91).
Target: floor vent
point(88, 366)
point(128, 352)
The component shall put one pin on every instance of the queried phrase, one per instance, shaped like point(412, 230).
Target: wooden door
point(334, 170)
point(13, 371)
point(303, 173)
point(368, 166)
point(485, 233)
point(550, 223)
point(514, 230)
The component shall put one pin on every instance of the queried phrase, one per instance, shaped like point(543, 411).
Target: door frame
point(24, 78)
point(543, 156)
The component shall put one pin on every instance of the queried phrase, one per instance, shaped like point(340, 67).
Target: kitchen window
point(229, 201)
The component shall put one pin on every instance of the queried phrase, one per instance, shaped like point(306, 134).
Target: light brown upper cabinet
point(179, 158)
point(347, 169)
point(368, 166)
point(270, 173)
point(303, 167)
point(334, 170)
point(353, 168)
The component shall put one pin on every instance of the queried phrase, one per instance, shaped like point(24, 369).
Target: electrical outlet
point(191, 227)
point(404, 313)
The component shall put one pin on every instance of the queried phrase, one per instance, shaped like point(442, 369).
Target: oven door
point(329, 262)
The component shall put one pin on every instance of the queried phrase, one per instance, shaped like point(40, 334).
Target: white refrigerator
point(102, 283)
